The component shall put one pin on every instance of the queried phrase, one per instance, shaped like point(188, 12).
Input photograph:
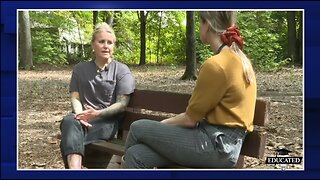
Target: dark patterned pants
point(74, 136)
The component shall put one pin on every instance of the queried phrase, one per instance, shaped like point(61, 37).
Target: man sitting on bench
point(220, 111)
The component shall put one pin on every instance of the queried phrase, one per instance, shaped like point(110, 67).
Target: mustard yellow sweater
point(221, 94)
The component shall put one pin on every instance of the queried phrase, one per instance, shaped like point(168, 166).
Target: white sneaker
point(123, 163)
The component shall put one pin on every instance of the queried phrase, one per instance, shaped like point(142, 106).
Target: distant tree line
point(273, 39)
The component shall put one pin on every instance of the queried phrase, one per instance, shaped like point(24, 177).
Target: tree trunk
point(110, 19)
point(149, 49)
point(190, 72)
point(25, 45)
point(159, 36)
point(81, 41)
point(95, 18)
point(299, 40)
point(143, 22)
point(291, 35)
point(79, 33)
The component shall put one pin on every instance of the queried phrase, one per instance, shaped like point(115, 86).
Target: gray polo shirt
point(99, 89)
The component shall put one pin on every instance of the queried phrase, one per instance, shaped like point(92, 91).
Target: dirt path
point(43, 101)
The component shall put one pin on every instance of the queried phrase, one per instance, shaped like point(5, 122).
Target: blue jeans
point(154, 144)
point(74, 136)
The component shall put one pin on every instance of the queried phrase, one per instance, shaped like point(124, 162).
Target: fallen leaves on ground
point(43, 100)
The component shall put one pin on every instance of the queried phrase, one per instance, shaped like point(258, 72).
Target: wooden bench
point(147, 104)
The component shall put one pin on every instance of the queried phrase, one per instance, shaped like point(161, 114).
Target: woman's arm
point(119, 106)
point(182, 120)
point(77, 107)
point(75, 102)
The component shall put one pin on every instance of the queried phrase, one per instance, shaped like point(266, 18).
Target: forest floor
point(43, 99)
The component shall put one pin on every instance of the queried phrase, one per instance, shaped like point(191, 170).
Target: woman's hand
point(88, 114)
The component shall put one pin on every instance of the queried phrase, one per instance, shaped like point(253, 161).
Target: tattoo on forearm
point(123, 100)
point(121, 103)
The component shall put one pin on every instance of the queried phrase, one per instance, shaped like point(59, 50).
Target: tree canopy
point(63, 37)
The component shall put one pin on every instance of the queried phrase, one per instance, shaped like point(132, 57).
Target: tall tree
point(299, 39)
point(142, 15)
point(110, 19)
point(77, 17)
point(190, 72)
point(107, 17)
point(292, 35)
point(95, 16)
point(25, 40)
point(159, 36)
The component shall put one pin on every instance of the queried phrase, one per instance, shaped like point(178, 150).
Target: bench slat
point(159, 101)
point(114, 146)
point(177, 102)
point(133, 116)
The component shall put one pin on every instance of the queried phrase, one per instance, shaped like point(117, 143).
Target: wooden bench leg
point(94, 159)
point(240, 163)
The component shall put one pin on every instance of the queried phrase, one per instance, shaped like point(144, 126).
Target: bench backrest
point(144, 101)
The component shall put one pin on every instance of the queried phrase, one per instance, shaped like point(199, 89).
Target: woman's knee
point(141, 125)
point(132, 157)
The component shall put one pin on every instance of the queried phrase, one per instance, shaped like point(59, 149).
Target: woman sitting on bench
point(210, 133)
point(100, 90)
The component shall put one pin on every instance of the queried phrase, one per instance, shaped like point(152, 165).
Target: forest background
point(164, 52)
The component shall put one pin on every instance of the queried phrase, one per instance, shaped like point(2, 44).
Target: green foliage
point(47, 48)
point(175, 37)
point(52, 31)
point(203, 51)
point(264, 34)
point(166, 37)
point(126, 25)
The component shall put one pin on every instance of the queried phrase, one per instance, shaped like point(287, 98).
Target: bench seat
point(142, 106)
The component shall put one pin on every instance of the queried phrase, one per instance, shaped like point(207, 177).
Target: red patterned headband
point(232, 34)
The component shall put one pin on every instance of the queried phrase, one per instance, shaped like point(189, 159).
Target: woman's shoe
point(123, 163)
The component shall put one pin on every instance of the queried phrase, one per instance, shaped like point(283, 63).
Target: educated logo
point(283, 159)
